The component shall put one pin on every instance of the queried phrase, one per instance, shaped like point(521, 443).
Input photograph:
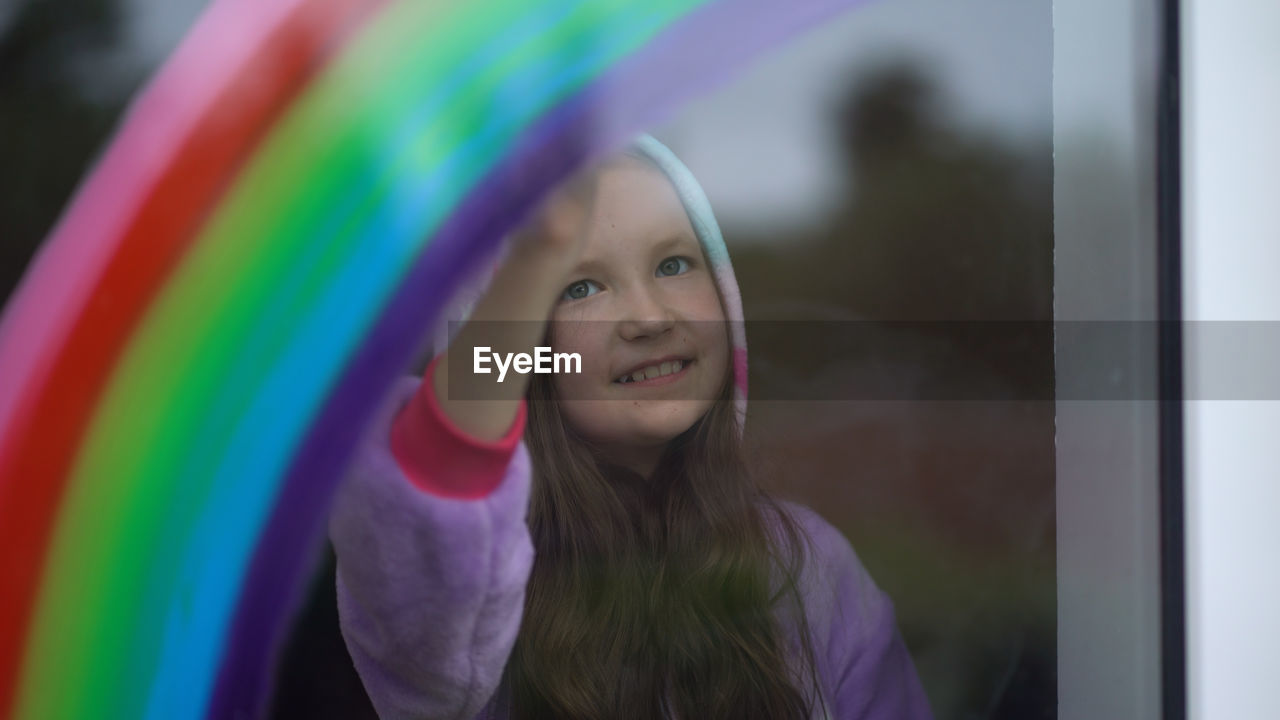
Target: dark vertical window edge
point(1169, 306)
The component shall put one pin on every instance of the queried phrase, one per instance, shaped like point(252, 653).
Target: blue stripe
point(280, 408)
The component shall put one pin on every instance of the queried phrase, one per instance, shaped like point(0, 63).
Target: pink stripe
point(55, 288)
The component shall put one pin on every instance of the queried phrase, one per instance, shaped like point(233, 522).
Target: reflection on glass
point(942, 221)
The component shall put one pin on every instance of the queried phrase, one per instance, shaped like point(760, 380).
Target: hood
point(704, 225)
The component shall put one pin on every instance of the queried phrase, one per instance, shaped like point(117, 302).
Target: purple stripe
point(697, 52)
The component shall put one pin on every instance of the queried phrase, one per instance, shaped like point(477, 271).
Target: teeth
point(653, 371)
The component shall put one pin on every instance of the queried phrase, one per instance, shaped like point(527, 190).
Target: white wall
point(1231, 226)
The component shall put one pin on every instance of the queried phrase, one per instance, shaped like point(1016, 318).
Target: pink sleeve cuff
point(442, 459)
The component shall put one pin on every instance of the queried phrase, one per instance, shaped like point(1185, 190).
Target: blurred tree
point(940, 224)
point(51, 119)
point(950, 505)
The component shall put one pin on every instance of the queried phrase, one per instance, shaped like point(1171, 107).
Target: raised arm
point(430, 589)
point(429, 528)
point(512, 315)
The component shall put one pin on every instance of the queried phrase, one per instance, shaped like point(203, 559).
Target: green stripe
point(176, 368)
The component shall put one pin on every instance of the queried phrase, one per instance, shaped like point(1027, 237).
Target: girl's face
point(643, 313)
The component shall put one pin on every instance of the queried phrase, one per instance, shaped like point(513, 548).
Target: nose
point(647, 314)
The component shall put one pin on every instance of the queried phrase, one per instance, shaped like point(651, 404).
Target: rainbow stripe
point(260, 252)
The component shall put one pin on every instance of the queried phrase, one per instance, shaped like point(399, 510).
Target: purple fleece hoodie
point(431, 591)
point(434, 553)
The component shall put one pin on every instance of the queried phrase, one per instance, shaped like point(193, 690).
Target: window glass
point(942, 219)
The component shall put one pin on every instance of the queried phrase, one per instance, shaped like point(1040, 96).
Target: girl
point(591, 545)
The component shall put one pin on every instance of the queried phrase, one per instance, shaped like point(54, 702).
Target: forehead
point(635, 202)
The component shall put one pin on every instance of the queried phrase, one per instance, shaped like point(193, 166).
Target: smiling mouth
point(655, 374)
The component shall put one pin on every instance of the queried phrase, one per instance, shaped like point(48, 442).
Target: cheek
point(703, 302)
point(583, 338)
point(607, 422)
point(718, 339)
point(578, 415)
point(717, 363)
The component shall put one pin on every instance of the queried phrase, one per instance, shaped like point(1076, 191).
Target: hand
point(555, 235)
point(524, 289)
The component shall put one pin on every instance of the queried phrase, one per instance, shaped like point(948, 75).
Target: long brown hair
point(656, 598)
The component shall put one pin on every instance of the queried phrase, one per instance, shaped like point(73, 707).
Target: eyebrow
point(586, 267)
point(675, 241)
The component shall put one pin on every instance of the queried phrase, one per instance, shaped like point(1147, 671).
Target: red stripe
point(54, 411)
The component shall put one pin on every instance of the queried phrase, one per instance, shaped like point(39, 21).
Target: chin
point(662, 422)
point(653, 422)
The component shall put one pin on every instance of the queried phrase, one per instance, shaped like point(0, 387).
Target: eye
point(673, 266)
point(579, 290)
